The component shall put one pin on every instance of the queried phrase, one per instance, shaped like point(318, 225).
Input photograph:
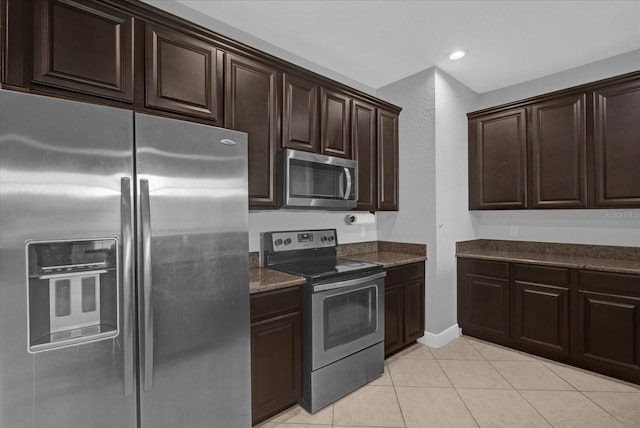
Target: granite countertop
point(263, 279)
point(388, 254)
point(594, 257)
point(388, 259)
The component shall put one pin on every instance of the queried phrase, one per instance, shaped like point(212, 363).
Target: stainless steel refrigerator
point(124, 295)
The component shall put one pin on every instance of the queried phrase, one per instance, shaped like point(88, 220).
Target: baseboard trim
point(442, 338)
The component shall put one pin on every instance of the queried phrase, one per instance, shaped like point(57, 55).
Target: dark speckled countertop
point(594, 257)
point(385, 253)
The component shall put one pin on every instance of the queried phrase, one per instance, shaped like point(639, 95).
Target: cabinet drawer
point(609, 282)
point(487, 268)
point(277, 302)
point(542, 274)
point(404, 273)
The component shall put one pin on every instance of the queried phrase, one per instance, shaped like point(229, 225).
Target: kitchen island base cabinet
point(276, 351)
point(404, 306)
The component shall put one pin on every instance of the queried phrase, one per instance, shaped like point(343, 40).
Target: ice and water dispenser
point(73, 292)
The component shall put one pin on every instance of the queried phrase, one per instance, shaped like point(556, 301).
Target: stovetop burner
point(316, 270)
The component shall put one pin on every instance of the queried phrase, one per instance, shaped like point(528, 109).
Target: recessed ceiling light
point(457, 55)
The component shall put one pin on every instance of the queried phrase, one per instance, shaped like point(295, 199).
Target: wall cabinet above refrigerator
point(128, 54)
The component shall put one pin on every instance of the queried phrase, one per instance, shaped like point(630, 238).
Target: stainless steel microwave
point(317, 181)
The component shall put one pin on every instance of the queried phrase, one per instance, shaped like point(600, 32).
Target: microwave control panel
point(302, 239)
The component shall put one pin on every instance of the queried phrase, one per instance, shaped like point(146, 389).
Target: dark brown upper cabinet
point(335, 123)
point(387, 161)
point(498, 160)
point(182, 74)
point(578, 148)
point(558, 157)
point(252, 104)
point(364, 148)
point(616, 143)
point(300, 114)
point(83, 46)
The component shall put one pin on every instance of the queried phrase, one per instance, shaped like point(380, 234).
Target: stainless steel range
point(343, 313)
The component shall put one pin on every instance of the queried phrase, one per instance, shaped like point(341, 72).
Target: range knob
point(287, 241)
point(323, 239)
point(278, 242)
point(331, 238)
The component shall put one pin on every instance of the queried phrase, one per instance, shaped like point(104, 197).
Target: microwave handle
point(347, 191)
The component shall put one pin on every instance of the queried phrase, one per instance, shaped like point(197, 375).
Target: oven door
point(347, 316)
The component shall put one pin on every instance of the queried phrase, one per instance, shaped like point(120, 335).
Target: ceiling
point(380, 42)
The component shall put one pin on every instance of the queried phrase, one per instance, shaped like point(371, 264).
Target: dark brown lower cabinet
point(586, 318)
point(608, 323)
point(404, 306)
point(483, 299)
point(276, 351)
point(540, 315)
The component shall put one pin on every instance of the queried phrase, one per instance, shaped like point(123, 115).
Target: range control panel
point(302, 239)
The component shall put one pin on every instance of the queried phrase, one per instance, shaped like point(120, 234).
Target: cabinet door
point(300, 114)
point(276, 381)
point(83, 46)
point(182, 74)
point(497, 160)
point(558, 176)
point(608, 323)
point(387, 161)
point(393, 319)
point(413, 310)
point(540, 310)
point(616, 145)
point(363, 138)
point(252, 105)
point(483, 299)
point(335, 123)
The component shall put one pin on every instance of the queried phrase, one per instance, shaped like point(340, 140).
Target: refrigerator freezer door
point(61, 165)
point(194, 315)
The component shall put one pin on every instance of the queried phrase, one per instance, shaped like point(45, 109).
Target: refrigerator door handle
point(127, 282)
point(145, 280)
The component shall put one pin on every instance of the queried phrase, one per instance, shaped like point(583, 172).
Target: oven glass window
point(349, 316)
point(316, 180)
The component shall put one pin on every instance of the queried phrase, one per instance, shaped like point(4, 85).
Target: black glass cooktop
point(321, 269)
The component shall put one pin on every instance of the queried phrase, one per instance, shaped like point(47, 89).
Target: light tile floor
point(471, 383)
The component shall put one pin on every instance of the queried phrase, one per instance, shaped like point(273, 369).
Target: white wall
point(452, 100)
point(267, 221)
point(416, 219)
point(605, 227)
point(609, 67)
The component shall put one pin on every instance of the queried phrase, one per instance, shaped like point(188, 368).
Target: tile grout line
point(512, 386)
point(456, 390)
point(393, 385)
point(599, 406)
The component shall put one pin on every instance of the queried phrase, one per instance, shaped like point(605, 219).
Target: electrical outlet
point(363, 232)
point(513, 231)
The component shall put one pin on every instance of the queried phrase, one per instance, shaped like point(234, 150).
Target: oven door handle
point(348, 283)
